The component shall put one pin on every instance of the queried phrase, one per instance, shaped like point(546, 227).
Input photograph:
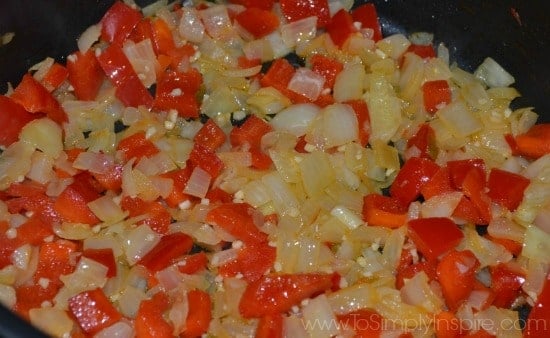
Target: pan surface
point(515, 33)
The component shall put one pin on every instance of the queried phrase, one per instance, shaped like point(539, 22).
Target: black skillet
point(516, 33)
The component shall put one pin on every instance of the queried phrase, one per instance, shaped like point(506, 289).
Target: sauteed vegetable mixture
point(268, 169)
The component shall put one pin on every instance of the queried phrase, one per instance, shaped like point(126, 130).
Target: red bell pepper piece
point(252, 261)
point(149, 321)
point(35, 98)
point(414, 174)
point(535, 142)
point(129, 88)
point(199, 315)
point(514, 247)
point(506, 188)
point(179, 178)
point(458, 170)
point(72, 203)
point(474, 188)
point(434, 236)
point(54, 260)
point(424, 51)
point(294, 10)
point(85, 75)
point(210, 136)
point(327, 67)
point(143, 31)
point(277, 293)
point(250, 132)
point(206, 159)
point(217, 195)
point(363, 119)
point(270, 326)
point(137, 146)
point(103, 256)
point(278, 75)
point(258, 22)
point(55, 76)
point(13, 117)
point(191, 264)
point(456, 274)
point(409, 271)
point(163, 42)
point(537, 323)
point(506, 282)
point(93, 311)
point(158, 218)
point(341, 27)
point(383, 211)
point(467, 211)
point(424, 141)
point(435, 94)
point(263, 4)
point(178, 90)
point(368, 17)
point(167, 251)
point(236, 219)
point(365, 322)
point(260, 160)
point(111, 179)
point(440, 183)
point(447, 325)
point(118, 22)
point(32, 296)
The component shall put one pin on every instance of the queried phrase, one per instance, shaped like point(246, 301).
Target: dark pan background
point(516, 33)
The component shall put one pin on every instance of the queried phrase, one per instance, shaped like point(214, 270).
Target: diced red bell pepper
point(363, 119)
point(260, 160)
point(278, 75)
point(179, 178)
point(54, 260)
point(456, 274)
point(35, 98)
point(514, 247)
point(436, 93)
point(294, 10)
point(440, 183)
point(506, 283)
point(434, 236)
point(424, 51)
point(206, 159)
point(129, 88)
point(263, 4)
point(217, 195)
point(535, 142)
point(111, 179)
point(103, 256)
point(191, 264)
point(340, 27)
point(211, 136)
point(537, 323)
point(424, 141)
point(143, 31)
point(253, 260)
point(474, 188)
point(13, 117)
point(409, 271)
point(93, 311)
point(458, 170)
point(85, 75)
point(72, 203)
point(118, 22)
point(149, 321)
point(178, 90)
point(258, 22)
point(327, 67)
point(414, 174)
point(41, 205)
point(137, 146)
point(55, 76)
point(199, 315)
point(270, 326)
point(32, 296)
point(167, 251)
point(250, 132)
point(365, 322)
point(383, 211)
point(163, 41)
point(236, 219)
point(368, 17)
point(277, 293)
point(467, 211)
point(447, 325)
point(506, 188)
point(158, 217)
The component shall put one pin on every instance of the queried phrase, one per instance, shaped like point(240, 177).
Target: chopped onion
point(349, 83)
point(7, 296)
point(339, 125)
point(107, 210)
point(298, 31)
point(191, 27)
point(318, 310)
point(97, 163)
point(222, 257)
point(88, 38)
point(418, 292)
point(53, 321)
point(536, 245)
point(503, 227)
point(442, 205)
point(143, 59)
point(169, 278)
point(42, 68)
point(41, 168)
point(492, 74)
point(216, 21)
point(295, 119)
point(307, 83)
point(45, 135)
point(118, 330)
point(460, 119)
point(198, 183)
point(138, 242)
point(129, 300)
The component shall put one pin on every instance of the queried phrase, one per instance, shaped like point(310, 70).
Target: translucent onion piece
point(493, 74)
point(307, 83)
point(43, 134)
point(88, 38)
point(318, 310)
point(53, 321)
point(198, 183)
point(138, 242)
point(119, 330)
